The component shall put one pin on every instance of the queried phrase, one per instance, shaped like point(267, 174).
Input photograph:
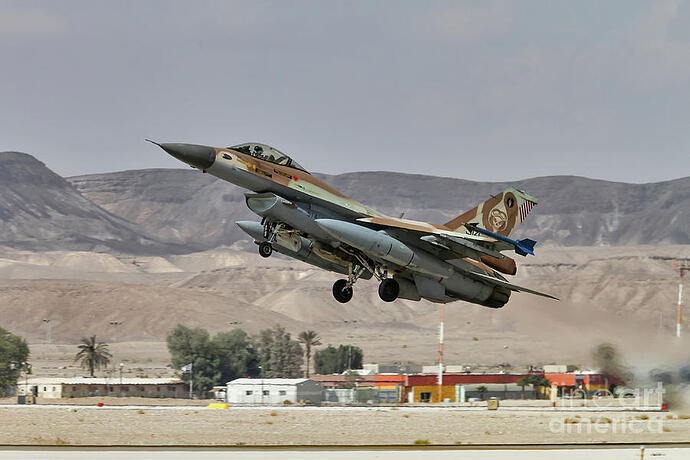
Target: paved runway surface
point(632, 453)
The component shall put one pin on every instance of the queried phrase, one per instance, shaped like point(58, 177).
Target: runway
point(481, 453)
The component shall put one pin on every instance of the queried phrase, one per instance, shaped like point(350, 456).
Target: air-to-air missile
point(522, 247)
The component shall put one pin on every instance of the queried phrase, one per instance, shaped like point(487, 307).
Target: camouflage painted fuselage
point(295, 184)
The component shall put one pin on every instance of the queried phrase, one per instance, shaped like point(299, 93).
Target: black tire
point(389, 290)
point(265, 249)
point(341, 291)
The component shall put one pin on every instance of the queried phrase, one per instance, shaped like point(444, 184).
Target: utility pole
point(440, 352)
point(49, 335)
point(682, 266)
point(191, 383)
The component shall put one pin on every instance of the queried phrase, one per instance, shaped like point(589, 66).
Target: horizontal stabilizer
point(506, 284)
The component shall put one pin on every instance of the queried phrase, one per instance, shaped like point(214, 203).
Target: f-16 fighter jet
point(305, 218)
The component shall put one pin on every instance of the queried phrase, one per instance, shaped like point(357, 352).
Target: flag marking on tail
point(525, 208)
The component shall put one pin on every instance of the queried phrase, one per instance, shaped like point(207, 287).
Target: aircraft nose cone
point(199, 156)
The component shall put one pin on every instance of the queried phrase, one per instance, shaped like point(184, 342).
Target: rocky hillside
point(168, 211)
point(185, 206)
point(40, 210)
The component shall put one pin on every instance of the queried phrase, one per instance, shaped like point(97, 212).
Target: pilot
point(258, 151)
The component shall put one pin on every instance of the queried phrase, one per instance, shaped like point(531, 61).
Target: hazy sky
point(480, 90)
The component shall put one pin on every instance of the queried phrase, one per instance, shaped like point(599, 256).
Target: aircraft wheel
point(341, 291)
point(265, 249)
point(389, 290)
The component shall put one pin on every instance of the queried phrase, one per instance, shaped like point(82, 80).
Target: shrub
point(604, 420)
point(422, 442)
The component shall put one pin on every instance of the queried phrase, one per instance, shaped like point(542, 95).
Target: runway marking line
point(343, 447)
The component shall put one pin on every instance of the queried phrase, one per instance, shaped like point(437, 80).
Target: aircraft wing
point(460, 245)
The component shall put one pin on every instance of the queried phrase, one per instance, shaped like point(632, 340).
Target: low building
point(460, 387)
point(273, 391)
point(79, 387)
point(394, 368)
point(587, 382)
point(345, 381)
point(559, 368)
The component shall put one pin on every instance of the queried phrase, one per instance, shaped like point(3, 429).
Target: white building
point(273, 391)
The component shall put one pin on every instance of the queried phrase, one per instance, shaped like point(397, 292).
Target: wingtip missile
point(522, 247)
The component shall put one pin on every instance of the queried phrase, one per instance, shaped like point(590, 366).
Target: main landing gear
point(342, 292)
point(342, 289)
point(389, 289)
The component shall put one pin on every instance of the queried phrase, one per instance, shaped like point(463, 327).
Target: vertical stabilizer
point(500, 214)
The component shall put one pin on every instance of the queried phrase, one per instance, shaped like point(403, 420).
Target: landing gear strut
point(389, 289)
point(265, 249)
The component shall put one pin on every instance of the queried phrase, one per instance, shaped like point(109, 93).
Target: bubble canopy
point(267, 153)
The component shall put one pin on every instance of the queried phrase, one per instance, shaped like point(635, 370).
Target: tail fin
point(500, 214)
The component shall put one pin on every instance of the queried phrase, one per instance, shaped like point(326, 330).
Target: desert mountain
point(40, 210)
point(188, 207)
point(161, 211)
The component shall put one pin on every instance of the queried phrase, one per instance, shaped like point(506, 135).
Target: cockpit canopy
point(267, 153)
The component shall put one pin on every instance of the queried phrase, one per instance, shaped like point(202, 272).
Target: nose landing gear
point(265, 249)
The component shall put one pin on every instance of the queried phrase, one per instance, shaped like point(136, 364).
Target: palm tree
point(309, 339)
point(93, 355)
point(522, 382)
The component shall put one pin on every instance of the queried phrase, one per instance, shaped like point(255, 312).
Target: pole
point(48, 331)
point(440, 353)
point(191, 383)
point(679, 319)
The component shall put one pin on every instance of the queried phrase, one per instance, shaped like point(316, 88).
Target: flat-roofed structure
point(459, 387)
point(79, 387)
point(273, 391)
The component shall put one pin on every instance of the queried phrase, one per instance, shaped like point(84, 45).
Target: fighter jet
point(307, 219)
